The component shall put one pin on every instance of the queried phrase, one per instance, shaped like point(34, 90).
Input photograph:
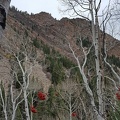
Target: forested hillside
point(48, 70)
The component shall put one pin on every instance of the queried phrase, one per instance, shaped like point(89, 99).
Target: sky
point(49, 6)
point(36, 6)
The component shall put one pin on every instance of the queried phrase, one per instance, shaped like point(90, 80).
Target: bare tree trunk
point(87, 87)
point(26, 105)
point(70, 107)
point(95, 27)
point(24, 87)
point(14, 101)
point(4, 105)
point(4, 7)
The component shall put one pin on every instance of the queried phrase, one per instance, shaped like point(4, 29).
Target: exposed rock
point(55, 33)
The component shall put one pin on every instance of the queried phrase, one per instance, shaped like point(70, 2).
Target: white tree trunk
point(24, 88)
point(70, 107)
point(87, 87)
point(95, 28)
point(4, 105)
point(26, 105)
point(14, 101)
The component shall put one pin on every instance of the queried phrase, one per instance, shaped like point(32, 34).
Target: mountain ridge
point(36, 50)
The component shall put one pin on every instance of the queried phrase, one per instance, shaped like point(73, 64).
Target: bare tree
point(14, 100)
point(25, 63)
point(22, 61)
point(68, 92)
point(3, 103)
point(89, 10)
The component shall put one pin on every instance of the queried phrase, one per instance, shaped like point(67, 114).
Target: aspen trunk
point(95, 27)
point(14, 112)
point(24, 88)
point(70, 107)
point(25, 97)
point(4, 105)
point(26, 105)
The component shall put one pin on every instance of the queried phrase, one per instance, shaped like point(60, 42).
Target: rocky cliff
point(22, 27)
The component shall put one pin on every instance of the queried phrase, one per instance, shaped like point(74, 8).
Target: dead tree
point(89, 10)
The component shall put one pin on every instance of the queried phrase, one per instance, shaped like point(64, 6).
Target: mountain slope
point(55, 32)
point(44, 28)
point(39, 44)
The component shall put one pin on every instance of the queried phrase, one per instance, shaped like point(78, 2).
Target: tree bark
point(4, 7)
point(24, 87)
point(95, 27)
point(5, 4)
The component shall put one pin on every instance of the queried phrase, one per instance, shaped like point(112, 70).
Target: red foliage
point(74, 114)
point(32, 108)
point(41, 96)
point(118, 95)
